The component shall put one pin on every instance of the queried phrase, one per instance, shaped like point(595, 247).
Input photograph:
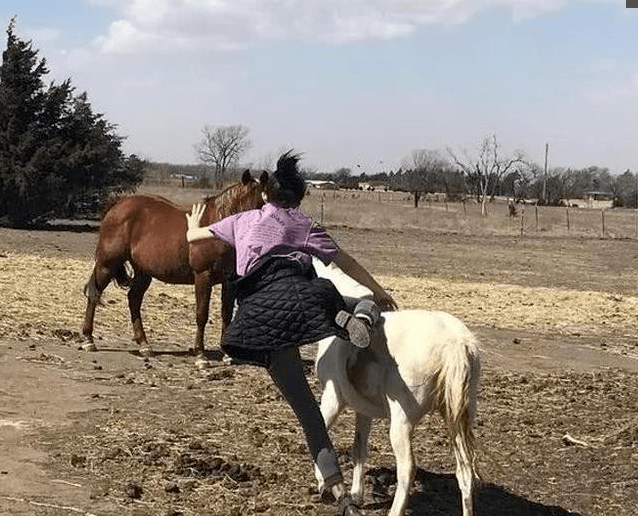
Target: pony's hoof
point(89, 346)
point(202, 363)
point(146, 352)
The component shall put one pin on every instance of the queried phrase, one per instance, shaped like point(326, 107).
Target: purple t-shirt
point(274, 231)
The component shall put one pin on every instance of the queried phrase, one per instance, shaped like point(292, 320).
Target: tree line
point(488, 172)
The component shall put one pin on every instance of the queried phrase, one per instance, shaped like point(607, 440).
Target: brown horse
point(150, 234)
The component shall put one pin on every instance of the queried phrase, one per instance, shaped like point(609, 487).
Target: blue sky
point(352, 82)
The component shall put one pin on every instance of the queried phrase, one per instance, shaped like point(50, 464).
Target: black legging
point(286, 370)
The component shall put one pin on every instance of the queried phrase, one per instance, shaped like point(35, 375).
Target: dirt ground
point(113, 433)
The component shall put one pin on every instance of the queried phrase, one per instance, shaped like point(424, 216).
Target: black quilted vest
point(282, 303)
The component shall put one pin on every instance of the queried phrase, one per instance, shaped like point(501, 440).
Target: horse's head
point(253, 195)
point(245, 195)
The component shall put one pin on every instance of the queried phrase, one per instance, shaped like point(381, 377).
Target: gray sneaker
point(358, 330)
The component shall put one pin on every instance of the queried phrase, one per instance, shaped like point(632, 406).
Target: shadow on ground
point(436, 493)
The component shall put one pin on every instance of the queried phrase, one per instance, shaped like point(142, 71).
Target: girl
point(283, 305)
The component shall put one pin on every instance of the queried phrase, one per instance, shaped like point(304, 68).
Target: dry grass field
point(110, 433)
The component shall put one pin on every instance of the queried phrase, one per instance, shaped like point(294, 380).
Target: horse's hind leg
point(99, 280)
point(139, 285)
point(203, 288)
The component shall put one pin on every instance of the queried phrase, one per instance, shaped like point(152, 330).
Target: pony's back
point(344, 283)
point(421, 341)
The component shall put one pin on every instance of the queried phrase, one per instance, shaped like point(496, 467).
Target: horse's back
point(136, 205)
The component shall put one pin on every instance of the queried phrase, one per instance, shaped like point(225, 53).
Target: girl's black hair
point(286, 186)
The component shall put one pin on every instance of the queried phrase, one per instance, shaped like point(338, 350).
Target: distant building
point(592, 199)
point(599, 200)
point(321, 185)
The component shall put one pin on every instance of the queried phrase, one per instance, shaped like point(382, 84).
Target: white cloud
point(167, 26)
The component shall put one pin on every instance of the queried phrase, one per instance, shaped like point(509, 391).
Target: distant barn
point(321, 185)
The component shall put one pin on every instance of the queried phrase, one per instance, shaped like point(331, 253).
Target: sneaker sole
point(357, 330)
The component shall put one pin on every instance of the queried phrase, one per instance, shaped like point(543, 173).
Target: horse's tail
point(458, 389)
point(121, 276)
point(91, 291)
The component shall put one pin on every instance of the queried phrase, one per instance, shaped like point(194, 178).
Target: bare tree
point(519, 181)
point(484, 171)
point(267, 162)
point(425, 171)
point(222, 147)
point(428, 166)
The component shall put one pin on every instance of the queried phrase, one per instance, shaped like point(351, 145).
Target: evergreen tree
point(56, 155)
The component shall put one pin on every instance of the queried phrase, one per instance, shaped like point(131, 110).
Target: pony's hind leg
point(363, 424)
point(464, 471)
point(139, 285)
point(99, 280)
point(401, 440)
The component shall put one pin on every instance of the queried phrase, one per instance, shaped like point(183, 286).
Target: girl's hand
point(193, 219)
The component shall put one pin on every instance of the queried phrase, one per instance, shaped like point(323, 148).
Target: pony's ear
point(263, 179)
point(246, 177)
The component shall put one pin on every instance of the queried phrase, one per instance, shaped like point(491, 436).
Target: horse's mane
point(223, 203)
point(224, 192)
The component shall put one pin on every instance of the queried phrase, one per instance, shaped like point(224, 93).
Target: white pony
point(418, 361)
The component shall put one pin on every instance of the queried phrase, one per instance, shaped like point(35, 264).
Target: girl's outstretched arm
point(353, 269)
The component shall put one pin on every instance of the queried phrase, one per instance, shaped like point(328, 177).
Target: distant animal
point(148, 234)
point(512, 208)
point(418, 361)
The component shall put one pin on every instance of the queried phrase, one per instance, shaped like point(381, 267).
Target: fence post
point(323, 196)
point(602, 214)
point(567, 216)
point(536, 215)
point(522, 219)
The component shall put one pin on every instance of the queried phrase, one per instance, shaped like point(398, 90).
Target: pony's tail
point(458, 388)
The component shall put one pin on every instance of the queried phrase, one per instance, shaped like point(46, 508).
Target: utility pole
point(545, 173)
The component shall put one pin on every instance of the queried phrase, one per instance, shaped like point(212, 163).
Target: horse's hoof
point(89, 346)
point(146, 352)
point(202, 363)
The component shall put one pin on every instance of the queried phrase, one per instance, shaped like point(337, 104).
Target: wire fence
point(394, 210)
